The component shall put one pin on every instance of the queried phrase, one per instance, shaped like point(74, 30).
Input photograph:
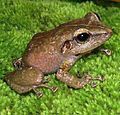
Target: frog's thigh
point(29, 76)
point(25, 79)
point(21, 89)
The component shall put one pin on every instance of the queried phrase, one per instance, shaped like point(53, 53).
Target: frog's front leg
point(72, 81)
point(106, 51)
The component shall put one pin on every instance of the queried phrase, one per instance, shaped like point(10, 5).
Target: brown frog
point(56, 51)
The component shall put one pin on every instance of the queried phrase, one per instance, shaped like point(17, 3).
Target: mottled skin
point(56, 51)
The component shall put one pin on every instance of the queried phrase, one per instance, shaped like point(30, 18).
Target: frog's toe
point(18, 63)
point(46, 80)
point(38, 93)
point(107, 52)
point(93, 84)
point(99, 78)
point(54, 89)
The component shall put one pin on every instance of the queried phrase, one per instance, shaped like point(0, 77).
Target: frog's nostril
point(109, 30)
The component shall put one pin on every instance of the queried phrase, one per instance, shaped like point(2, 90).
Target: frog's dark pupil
point(82, 37)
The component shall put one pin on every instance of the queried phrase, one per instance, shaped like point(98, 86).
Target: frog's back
point(42, 53)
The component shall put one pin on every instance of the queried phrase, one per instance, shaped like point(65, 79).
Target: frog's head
point(88, 34)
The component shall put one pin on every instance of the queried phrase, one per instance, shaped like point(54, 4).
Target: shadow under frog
point(56, 51)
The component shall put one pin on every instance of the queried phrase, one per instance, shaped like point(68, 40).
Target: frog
point(56, 51)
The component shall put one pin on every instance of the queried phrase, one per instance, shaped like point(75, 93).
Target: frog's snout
point(110, 31)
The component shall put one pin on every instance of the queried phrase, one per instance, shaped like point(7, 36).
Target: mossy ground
point(20, 19)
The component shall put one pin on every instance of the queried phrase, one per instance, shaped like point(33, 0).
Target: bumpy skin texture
point(56, 51)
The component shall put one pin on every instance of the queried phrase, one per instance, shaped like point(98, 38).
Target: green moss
point(20, 19)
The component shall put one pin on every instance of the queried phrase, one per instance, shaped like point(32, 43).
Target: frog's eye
point(83, 37)
point(97, 16)
point(92, 16)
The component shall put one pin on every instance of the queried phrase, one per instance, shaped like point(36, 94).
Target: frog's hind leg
point(38, 93)
point(20, 89)
point(23, 80)
point(18, 64)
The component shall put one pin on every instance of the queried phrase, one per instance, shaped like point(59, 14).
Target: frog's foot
point(106, 51)
point(76, 82)
point(53, 88)
point(99, 78)
point(46, 79)
point(39, 94)
point(18, 63)
point(92, 82)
